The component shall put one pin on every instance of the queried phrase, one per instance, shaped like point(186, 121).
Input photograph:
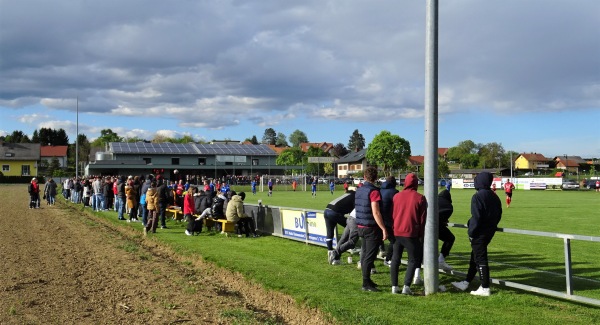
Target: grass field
point(302, 271)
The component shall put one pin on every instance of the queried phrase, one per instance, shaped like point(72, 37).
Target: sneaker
point(417, 280)
point(462, 285)
point(442, 288)
point(330, 256)
point(188, 233)
point(381, 254)
point(358, 265)
point(129, 220)
point(483, 292)
point(336, 262)
point(406, 291)
point(395, 290)
point(387, 263)
point(145, 231)
point(163, 227)
point(370, 288)
point(373, 270)
point(444, 266)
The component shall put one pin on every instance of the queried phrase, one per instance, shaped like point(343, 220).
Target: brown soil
point(62, 265)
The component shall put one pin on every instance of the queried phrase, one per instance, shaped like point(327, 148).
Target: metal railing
point(568, 266)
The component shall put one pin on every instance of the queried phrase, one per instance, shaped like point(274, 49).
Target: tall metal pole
point(430, 251)
point(77, 141)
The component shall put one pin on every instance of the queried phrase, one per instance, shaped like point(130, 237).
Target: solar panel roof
point(190, 148)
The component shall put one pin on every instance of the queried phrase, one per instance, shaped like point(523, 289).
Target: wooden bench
point(176, 211)
point(227, 227)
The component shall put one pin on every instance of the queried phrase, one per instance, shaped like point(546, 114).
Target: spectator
point(334, 215)
point(121, 197)
point(370, 225)
point(445, 210)
point(409, 215)
point(486, 212)
point(235, 213)
point(50, 191)
point(189, 208)
point(34, 194)
point(131, 201)
point(152, 207)
point(388, 190)
point(163, 200)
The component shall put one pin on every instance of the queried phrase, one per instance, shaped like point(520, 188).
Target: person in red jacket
point(189, 208)
point(409, 213)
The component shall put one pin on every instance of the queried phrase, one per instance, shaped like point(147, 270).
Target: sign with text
point(298, 225)
point(321, 160)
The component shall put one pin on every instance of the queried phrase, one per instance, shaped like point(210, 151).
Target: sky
point(525, 74)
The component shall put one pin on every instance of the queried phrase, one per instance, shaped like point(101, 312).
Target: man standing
point(334, 215)
point(409, 214)
point(370, 225)
point(486, 212)
point(508, 188)
point(388, 190)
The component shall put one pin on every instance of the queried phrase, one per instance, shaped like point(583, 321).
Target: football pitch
point(302, 271)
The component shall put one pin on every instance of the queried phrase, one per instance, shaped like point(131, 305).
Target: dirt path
point(64, 266)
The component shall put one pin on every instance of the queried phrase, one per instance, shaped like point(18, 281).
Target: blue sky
point(525, 74)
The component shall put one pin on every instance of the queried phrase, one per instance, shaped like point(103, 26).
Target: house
point(569, 163)
point(532, 161)
point(325, 146)
point(212, 160)
point(48, 153)
point(352, 163)
point(19, 159)
point(416, 161)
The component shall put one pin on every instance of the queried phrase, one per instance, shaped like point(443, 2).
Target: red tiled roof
point(53, 151)
point(277, 150)
point(416, 160)
point(326, 146)
point(442, 151)
point(534, 157)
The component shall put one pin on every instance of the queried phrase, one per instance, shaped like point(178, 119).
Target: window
point(201, 161)
point(25, 170)
point(229, 163)
point(254, 162)
point(174, 161)
point(5, 168)
point(148, 161)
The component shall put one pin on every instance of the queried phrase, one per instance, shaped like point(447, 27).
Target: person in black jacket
point(121, 197)
point(486, 212)
point(334, 215)
point(445, 210)
point(163, 200)
point(388, 190)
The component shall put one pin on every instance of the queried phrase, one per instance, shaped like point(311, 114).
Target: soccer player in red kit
point(508, 187)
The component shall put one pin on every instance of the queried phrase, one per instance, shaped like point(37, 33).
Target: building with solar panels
point(191, 160)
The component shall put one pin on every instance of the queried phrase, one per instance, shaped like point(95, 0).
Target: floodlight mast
point(430, 249)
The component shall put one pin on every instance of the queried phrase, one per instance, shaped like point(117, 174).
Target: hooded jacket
point(235, 209)
point(189, 206)
point(410, 210)
point(486, 208)
point(445, 207)
point(152, 199)
point(388, 190)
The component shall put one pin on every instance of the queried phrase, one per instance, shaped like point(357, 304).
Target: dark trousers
point(133, 213)
point(389, 252)
point(479, 260)
point(414, 248)
point(162, 209)
point(447, 238)
point(371, 237)
point(246, 226)
point(35, 200)
point(332, 219)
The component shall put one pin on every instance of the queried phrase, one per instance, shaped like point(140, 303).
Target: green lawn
point(302, 271)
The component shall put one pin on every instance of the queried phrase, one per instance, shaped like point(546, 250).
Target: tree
point(443, 168)
point(84, 147)
point(356, 142)
point(297, 137)
point(17, 137)
point(469, 161)
point(252, 140)
point(339, 150)
point(270, 137)
point(134, 139)
point(185, 139)
point(50, 137)
point(281, 140)
point(490, 155)
point(462, 149)
point(328, 168)
point(106, 136)
point(290, 157)
point(388, 151)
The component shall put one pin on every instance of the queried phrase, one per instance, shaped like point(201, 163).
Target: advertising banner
point(298, 225)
